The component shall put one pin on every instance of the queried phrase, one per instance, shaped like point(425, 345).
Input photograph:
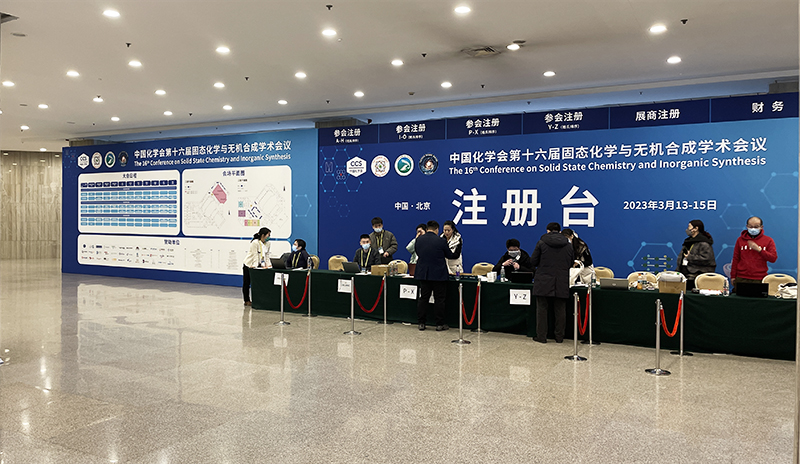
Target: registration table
point(713, 324)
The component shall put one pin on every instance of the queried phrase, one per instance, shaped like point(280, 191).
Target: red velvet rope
point(305, 292)
point(355, 294)
point(677, 320)
point(474, 308)
point(582, 325)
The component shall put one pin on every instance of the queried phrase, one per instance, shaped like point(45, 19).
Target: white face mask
point(365, 246)
point(294, 247)
point(754, 231)
point(378, 230)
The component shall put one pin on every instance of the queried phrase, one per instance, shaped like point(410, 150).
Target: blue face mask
point(378, 230)
point(365, 246)
point(754, 231)
point(294, 247)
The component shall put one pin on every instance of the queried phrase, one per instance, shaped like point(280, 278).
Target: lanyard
point(365, 257)
point(296, 259)
point(380, 240)
point(260, 249)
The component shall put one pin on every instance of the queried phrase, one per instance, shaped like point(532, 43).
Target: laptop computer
point(613, 284)
point(351, 267)
point(277, 263)
point(520, 277)
point(752, 289)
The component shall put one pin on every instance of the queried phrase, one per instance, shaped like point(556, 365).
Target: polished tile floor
point(104, 370)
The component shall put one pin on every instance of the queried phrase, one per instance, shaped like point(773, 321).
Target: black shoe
point(440, 328)
point(422, 326)
point(559, 341)
point(539, 341)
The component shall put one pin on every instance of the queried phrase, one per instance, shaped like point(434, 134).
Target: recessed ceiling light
point(1, 111)
point(300, 75)
point(463, 9)
point(98, 99)
point(227, 107)
point(282, 102)
point(397, 62)
point(8, 84)
point(512, 46)
point(13, 164)
point(549, 73)
point(73, 73)
point(446, 84)
point(359, 94)
point(115, 118)
point(111, 13)
point(658, 29)
point(219, 85)
point(57, 155)
point(223, 50)
point(23, 127)
point(329, 32)
point(43, 106)
point(43, 149)
point(5, 154)
point(167, 113)
point(674, 59)
point(161, 92)
point(135, 63)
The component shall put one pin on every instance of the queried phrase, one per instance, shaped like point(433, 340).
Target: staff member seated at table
point(514, 259)
point(366, 256)
point(299, 258)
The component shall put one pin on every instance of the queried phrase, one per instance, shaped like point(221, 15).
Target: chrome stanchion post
point(589, 308)
point(576, 302)
point(352, 330)
point(479, 330)
point(283, 290)
point(309, 296)
point(680, 351)
point(658, 370)
point(461, 340)
point(385, 297)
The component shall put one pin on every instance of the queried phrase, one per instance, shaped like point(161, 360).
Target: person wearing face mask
point(697, 255)
point(752, 252)
point(383, 241)
point(582, 255)
point(412, 264)
point(257, 257)
point(366, 256)
point(514, 259)
point(455, 243)
point(299, 259)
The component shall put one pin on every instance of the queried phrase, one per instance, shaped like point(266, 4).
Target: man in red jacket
point(752, 251)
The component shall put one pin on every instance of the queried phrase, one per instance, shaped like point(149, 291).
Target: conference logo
point(110, 159)
point(97, 160)
point(403, 165)
point(428, 164)
point(380, 166)
point(356, 166)
point(123, 158)
point(83, 161)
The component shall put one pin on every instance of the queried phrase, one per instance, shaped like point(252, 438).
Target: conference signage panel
point(565, 121)
point(629, 192)
point(186, 209)
point(770, 106)
point(433, 129)
point(349, 135)
point(484, 126)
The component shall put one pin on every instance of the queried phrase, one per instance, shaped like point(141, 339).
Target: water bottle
point(458, 272)
point(502, 274)
point(593, 280)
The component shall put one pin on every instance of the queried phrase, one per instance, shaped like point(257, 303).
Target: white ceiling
point(594, 46)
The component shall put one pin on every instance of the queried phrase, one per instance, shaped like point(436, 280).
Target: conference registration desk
point(758, 327)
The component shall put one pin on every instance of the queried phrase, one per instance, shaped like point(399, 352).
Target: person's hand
point(508, 262)
point(576, 265)
point(753, 246)
point(419, 232)
point(516, 266)
point(386, 255)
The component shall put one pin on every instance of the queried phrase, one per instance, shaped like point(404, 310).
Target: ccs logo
point(380, 166)
point(356, 166)
point(83, 161)
point(403, 165)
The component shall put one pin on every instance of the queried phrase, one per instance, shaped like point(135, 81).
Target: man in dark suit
point(432, 273)
point(552, 258)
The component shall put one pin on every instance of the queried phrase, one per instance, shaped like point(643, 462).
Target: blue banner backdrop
point(628, 192)
point(186, 209)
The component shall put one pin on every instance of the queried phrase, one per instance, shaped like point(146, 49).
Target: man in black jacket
point(552, 258)
point(432, 273)
point(514, 259)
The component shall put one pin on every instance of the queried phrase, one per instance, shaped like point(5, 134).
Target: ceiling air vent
point(482, 52)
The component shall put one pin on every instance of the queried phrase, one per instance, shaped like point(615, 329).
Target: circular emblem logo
point(97, 160)
point(111, 159)
point(380, 166)
point(403, 165)
point(428, 164)
point(123, 158)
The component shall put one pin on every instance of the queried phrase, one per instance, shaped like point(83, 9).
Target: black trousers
point(246, 283)
point(439, 290)
point(559, 306)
